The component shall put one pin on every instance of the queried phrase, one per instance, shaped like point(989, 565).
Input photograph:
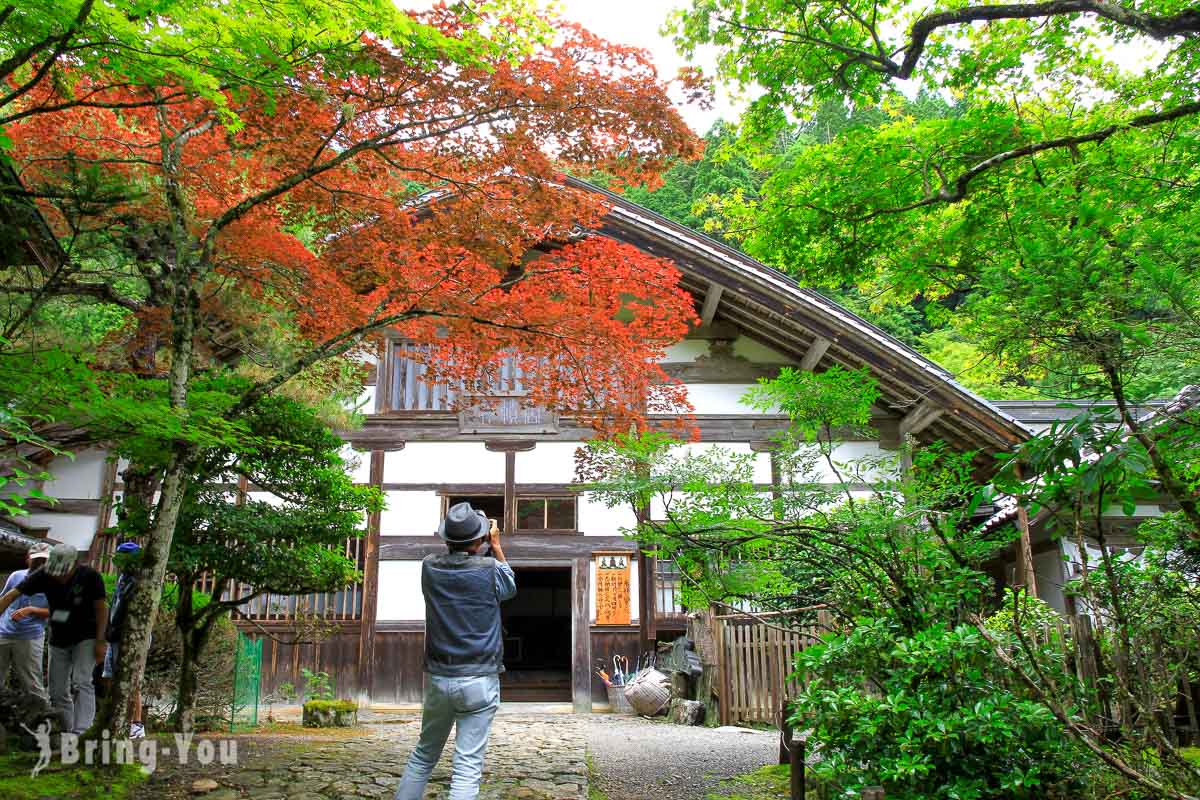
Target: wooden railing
point(343, 605)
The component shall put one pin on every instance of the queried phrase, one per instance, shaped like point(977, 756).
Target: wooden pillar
point(647, 607)
point(108, 484)
point(508, 525)
point(510, 492)
point(581, 636)
point(366, 623)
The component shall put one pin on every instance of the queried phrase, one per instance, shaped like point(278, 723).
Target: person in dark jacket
point(464, 651)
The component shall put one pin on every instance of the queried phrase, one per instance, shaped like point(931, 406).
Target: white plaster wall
point(76, 478)
point(443, 462)
point(410, 513)
point(73, 529)
point(548, 462)
point(758, 353)
point(1140, 512)
point(595, 519)
point(358, 464)
point(633, 591)
point(400, 597)
point(366, 400)
point(686, 351)
point(848, 452)
point(264, 497)
point(762, 461)
point(719, 398)
point(1048, 571)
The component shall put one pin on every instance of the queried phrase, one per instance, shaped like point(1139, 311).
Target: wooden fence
point(756, 663)
point(756, 656)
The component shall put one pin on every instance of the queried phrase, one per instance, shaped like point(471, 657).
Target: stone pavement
point(536, 758)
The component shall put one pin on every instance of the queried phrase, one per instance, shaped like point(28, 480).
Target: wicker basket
point(649, 692)
point(617, 701)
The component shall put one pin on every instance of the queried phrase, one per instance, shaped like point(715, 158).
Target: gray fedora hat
point(463, 524)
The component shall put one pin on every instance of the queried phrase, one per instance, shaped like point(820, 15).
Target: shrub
point(936, 719)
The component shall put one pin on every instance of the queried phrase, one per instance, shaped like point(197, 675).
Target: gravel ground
point(639, 759)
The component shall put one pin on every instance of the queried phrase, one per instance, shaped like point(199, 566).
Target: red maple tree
point(408, 195)
point(411, 194)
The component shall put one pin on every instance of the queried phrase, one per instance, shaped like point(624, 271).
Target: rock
point(204, 785)
point(686, 712)
point(20, 713)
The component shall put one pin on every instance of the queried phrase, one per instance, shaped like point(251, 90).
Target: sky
point(638, 22)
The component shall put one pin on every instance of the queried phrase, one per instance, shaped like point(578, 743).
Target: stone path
point(539, 758)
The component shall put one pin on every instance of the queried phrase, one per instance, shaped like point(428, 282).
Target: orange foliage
point(408, 196)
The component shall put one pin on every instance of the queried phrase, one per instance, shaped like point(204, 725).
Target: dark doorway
point(537, 637)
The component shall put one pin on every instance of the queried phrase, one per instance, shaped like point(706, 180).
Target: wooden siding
point(283, 659)
point(606, 643)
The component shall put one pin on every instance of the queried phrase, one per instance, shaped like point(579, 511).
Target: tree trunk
point(156, 549)
point(195, 642)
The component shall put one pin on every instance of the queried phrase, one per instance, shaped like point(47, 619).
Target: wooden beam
point(816, 351)
point(711, 301)
point(517, 546)
point(920, 418)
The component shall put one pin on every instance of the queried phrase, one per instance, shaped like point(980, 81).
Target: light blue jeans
point(71, 691)
point(469, 703)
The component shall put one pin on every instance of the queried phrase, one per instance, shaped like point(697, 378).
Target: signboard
point(612, 588)
point(507, 415)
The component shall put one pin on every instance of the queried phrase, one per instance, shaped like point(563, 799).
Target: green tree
point(687, 185)
point(291, 543)
point(1061, 202)
point(903, 692)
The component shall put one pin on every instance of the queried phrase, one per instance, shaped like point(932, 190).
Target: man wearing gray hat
point(23, 629)
point(464, 651)
point(78, 614)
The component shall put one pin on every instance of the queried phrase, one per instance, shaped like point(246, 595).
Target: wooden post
point(366, 622)
point(509, 523)
point(795, 760)
point(873, 793)
point(785, 736)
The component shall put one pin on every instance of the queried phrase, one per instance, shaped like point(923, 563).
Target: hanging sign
point(612, 588)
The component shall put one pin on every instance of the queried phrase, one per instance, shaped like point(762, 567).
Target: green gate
point(247, 680)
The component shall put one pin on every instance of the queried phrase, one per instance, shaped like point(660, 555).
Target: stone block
point(686, 712)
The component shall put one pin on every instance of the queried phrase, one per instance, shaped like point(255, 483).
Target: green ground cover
point(65, 783)
point(767, 783)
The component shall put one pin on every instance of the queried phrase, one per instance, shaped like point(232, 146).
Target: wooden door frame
point(581, 628)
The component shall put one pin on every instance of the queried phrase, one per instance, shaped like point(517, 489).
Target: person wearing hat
point(464, 651)
point(126, 558)
point(78, 613)
point(23, 629)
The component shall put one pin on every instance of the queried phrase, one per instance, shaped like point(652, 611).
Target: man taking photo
point(464, 651)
